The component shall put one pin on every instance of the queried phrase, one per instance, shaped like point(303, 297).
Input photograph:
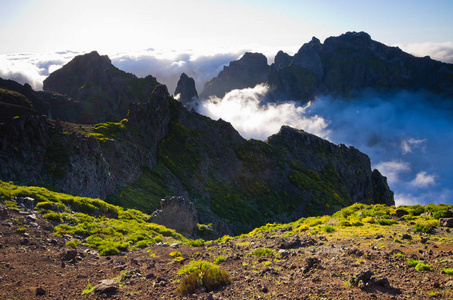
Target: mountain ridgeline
point(154, 147)
point(341, 66)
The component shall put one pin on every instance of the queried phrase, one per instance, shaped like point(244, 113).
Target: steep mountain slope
point(343, 66)
point(163, 149)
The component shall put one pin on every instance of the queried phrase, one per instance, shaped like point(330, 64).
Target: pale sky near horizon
point(208, 25)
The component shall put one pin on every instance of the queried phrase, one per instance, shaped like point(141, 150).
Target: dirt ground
point(35, 264)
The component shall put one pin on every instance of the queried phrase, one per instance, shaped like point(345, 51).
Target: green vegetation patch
point(109, 229)
point(261, 252)
point(202, 273)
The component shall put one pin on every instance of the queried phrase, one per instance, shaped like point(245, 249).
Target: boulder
point(446, 222)
point(177, 213)
point(400, 213)
point(106, 286)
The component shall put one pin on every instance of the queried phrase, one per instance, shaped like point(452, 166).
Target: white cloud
point(393, 169)
point(438, 51)
point(423, 180)
point(410, 144)
point(242, 108)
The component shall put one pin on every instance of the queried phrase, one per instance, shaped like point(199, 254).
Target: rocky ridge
point(244, 183)
point(341, 66)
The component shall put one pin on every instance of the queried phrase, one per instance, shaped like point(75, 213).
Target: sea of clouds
point(407, 138)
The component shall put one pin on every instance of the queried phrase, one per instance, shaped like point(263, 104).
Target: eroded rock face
point(177, 213)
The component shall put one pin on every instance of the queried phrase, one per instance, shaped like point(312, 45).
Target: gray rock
point(69, 254)
point(106, 286)
point(177, 213)
point(400, 213)
point(446, 222)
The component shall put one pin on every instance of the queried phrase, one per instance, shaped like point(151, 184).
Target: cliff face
point(163, 149)
point(343, 66)
point(98, 91)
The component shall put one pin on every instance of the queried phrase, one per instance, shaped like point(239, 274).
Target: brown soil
point(319, 266)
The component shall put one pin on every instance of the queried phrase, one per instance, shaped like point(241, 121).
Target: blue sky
point(209, 25)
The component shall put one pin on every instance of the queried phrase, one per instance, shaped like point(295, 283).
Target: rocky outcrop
point(98, 91)
point(246, 72)
point(186, 90)
point(177, 213)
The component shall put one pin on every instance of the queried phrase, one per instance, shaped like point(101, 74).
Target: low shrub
point(328, 228)
point(369, 220)
point(175, 254)
point(219, 259)
point(142, 244)
point(423, 267)
point(412, 262)
point(261, 252)
point(345, 223)
point(202, 273)
point(425, 228)
point(196, 243)
point(448, 271)
point(53, 217)
point(74, 243)
point(386, 222)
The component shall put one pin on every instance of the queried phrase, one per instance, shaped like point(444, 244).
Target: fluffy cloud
point(438, 51)
point(423, 180)
point(409, 144)
point(242, 108)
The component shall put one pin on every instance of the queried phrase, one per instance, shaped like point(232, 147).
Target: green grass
point(88, 289)
point(107, 228)
point(261, 252)
point(219, 259)
point(448, 271)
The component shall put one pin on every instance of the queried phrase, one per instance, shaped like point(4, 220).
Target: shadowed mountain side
point(162, 149)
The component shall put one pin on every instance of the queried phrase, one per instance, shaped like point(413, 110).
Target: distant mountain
point(248, 71)
point(342, 66)
point(97, 90)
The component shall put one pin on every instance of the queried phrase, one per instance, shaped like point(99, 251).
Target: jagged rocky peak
point(308, 57)
point(76, 73)
point(282, 59)
point(251, 69)
point(104, 90)
point(353, 39)
point(186, 90)
point(252, 62)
